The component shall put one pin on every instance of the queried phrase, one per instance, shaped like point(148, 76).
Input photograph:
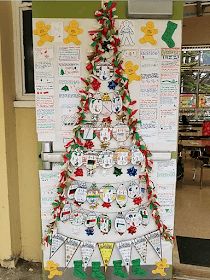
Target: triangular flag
point(106, 249)
point(154, 239)
point(87, 249)
point(71, 247)
point(57, 241)
point(124, 248)
point(140, 244)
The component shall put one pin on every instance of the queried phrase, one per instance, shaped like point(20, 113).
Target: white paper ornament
point(71, 191)
point(108, 195)
point(122, 156)
point(120, 224)
point(122, 196)
point(91, 162)
point(107, 105)
point(93, 196)
point(65, 212)
point(80, 195)
point(105, 135)
point(120, 132)
point(103, 70)
point(106, 159)
point(145, 217)
point(133, 190)
point(91, 220)
point(104, 223)
point(76, 158)
point(77, 218)
point(116, 103)
point(95, 106)
point(136, 155)
point(133, 218)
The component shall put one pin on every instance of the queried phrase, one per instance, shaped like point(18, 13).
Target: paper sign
point(154, 239)
point(71, 247)
point(57, 241)
point(124, 248)
point(87, 249)
point(141, 247)
point(106, 249)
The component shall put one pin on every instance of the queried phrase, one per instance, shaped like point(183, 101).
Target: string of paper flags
point(106, 248)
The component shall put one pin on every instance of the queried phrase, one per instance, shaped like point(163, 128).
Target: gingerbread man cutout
point(161, 266)
point(53, 269)
point(149, 32)
point(41, 30)
point(130, 71)
point(73, 31)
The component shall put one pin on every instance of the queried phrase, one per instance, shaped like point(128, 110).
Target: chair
point(180, 165)
point(205, 163)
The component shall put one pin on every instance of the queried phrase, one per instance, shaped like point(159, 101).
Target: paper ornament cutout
point(71, 246)
point(77, 158)
point(107, 105)
point(95, 106)
point(52, 267)
point(103, 70)
point(106, 159)
point(124, 248)
point(90, 223)
point(145, 217)
point(116, 104)
point(106, 249)
point(73, 31)
point(154, 239)
point(71, 191)
point(167, 35)
point(93, 196)
point(140, 244)
point(133, 190)
point(42, 30)
point(80, 195)
point(161, 266)
point(130, 71)
point(120, 224)
point(104, 223)
point(149, 31)
point(122, 156)
point(77, 218)
point(136, 155)
point(108, 195)
point(132, 171)
point(122, 196)
point(120, 132)
point(57, 241)
point(87, 249)
point(65, 212)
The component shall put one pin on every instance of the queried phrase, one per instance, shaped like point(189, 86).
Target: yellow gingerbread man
point(73, 31)
point(161, 266)
point(130, 71)
point(53, 269)
point(149, 31)
point(41, 30)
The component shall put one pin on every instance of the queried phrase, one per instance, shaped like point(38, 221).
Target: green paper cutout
point(118, 269)
point(96, 271)
point(78, 270)
point(136, 268)
point(65, 88)
point(117, 171)
point(62, 72)
point(167, 35)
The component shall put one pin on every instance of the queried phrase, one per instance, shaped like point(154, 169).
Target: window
point(23, 52)
point(195, 82)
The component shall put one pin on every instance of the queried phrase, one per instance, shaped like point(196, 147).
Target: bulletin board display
point(188, 101)
point(124, 231)
point(58, 67)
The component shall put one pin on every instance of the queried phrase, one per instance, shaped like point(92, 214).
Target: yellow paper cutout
point(106, 249)
point(130, 71)
point(41, 30)
point(53, 269)
point(149, 31)
point(73, 31)
point(161, 266)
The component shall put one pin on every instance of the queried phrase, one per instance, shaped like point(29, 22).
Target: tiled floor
point(192, 215)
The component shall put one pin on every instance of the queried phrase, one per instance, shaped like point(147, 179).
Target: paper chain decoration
point(105, 40)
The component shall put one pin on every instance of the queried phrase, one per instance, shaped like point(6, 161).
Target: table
point(194, 143)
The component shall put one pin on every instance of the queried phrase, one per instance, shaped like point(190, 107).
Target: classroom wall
point(19, 151)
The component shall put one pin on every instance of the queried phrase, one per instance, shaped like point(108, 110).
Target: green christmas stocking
point(167, 35)
point(96, 271)
point(136, 268)
point(118, 270)
point(78, 270)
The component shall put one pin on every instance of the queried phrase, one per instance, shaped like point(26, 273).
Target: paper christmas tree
point(106, 163)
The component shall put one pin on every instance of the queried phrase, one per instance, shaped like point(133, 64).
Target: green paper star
point(117, 171)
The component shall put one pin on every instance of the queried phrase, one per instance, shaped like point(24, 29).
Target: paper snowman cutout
point(104, 223)
point(65, 212)
point(120, 132)
point(108, 195)
point(103, 70)
point(77, 158)
point(122, 196)
point(116, 104)
point(120, 224)
point(106, 159)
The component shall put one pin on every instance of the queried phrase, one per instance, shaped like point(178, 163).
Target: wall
point(196, 30)
point(9, 189)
